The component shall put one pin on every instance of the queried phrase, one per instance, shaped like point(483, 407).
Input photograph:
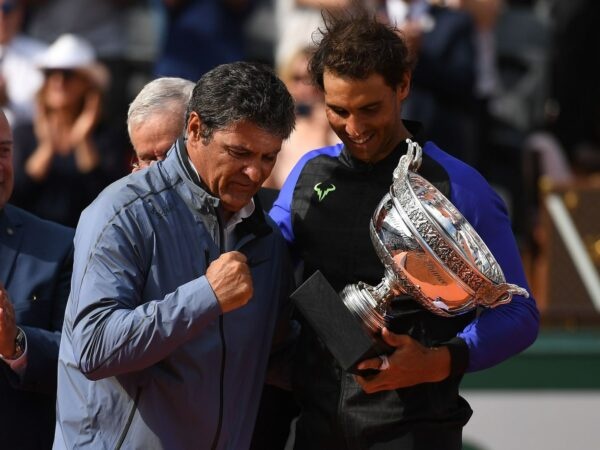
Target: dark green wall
point(558, 359)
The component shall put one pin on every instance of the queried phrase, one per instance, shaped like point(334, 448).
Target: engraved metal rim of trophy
point(429, 251)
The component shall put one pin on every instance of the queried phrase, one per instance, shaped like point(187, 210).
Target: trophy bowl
point(430, 252)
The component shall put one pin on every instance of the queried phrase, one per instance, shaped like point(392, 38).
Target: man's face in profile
point(152, 138)
point(6, 162)
point(235, 162)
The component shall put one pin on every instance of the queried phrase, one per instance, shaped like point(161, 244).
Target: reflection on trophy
point(429, 251)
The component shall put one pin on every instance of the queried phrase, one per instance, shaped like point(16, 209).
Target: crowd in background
point(508, 86)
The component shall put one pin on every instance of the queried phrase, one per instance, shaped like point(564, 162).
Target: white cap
point(73, 52)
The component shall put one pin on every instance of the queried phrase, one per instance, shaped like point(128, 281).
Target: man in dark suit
point(36, 258)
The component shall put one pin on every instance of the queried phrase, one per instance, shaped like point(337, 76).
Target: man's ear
point(404, 86)
point(194, 127)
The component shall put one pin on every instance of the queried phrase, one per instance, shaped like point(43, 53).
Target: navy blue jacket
point(36, 258)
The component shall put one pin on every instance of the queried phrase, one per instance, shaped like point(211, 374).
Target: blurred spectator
point(575, 74)
point(523, 40)
point(312, 129)
point(156, 118)
point(65, 158)
point(19, 78)
point(297, 20)
point(442, 93)
point(515, 107)
point(212, 27)
point(105, 25)
point(35, 274)
point(100, 22)
point(485, 14)
point(260, 33)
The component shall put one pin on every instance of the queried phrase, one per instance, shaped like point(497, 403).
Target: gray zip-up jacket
point(147, 360)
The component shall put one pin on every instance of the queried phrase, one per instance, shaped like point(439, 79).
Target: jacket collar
point(255, 223)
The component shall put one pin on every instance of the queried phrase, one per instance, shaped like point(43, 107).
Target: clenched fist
point(229, 277)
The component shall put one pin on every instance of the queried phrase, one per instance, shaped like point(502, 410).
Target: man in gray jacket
point(178, 281)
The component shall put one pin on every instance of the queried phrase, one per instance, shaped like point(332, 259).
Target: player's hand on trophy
point(229, 277)
point(409, 364)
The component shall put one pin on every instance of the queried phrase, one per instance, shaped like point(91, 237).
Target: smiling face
point(6, 162)
point(365, 114)
point(234, 163)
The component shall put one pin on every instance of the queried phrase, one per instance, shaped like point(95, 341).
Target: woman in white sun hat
point(66, 156)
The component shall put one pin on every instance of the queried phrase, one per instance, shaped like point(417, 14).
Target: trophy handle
point(411, 161)
point(499, 294)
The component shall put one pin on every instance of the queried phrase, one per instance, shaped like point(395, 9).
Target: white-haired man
point(156, 118)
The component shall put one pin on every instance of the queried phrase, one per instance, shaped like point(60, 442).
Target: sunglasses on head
point(8, 7)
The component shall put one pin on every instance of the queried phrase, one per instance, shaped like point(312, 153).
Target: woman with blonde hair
point(66, 156)
point(312, 129)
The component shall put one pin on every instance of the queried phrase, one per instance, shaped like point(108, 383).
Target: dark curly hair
point(239, 91)
point(354, 44)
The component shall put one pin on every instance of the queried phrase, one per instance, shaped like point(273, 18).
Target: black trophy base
point(346, 338)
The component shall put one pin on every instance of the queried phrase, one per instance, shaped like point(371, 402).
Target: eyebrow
point(368, 105)
point(240, 146)
point(246, 149)
point(237, 148)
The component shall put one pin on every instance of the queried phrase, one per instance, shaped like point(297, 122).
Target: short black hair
point(354, 44)
point(242, 91)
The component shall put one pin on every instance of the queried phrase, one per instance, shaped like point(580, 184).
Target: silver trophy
point(429, 251)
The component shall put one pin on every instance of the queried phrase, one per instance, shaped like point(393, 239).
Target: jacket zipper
point(221, 387)
point(129, 419)
point(222, 249)
point(223, 351)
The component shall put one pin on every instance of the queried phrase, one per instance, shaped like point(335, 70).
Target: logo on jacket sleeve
point(322, 192)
